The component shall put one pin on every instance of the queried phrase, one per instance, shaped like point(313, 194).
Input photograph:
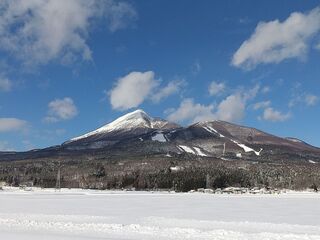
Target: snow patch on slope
point(186, 149)
point(193, 150)
point(199, 152)
point(159, 137)
point(246, 148)
point(212, 130)
point(294, 140)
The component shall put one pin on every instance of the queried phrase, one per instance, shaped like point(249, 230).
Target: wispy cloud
point(273, 115)
point(12, 124)
point(299, 96)
point(261, 105)
point(61, 109)
point(5, 84)
point(196, 67)
point(171, 88)
point(311, 99)
point(216, 88)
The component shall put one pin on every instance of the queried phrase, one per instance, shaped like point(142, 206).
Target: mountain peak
point(132, 120)
point(139, 113)
point(128, 121)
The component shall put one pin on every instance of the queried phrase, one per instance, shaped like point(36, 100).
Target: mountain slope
point(132, 124)
point(134, 120)
point(137, 134)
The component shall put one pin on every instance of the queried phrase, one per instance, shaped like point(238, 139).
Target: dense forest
point(176, 173)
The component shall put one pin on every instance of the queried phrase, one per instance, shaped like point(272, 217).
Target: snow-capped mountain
point(129, 122)
point(140, 151)
point(138, 134)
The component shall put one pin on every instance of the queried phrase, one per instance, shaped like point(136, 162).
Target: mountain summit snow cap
point(127, 122)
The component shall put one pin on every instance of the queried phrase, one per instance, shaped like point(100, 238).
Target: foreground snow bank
point(79, 214)
point(160, 229)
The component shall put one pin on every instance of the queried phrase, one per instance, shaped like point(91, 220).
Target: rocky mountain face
point(146, 152)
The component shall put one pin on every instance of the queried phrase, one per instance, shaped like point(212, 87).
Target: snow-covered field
point(80, 214)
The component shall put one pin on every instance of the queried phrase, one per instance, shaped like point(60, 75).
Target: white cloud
point(273, 115)
point(261, 105)
point(131, 90)
point(38, 31)
point(300, 97)
point(12, 124)
point(119, 14)
point(196, 67)
point(191, 112)
point(265, 89)
point(216, 88)
point(311, 100)
point(5, 84)
point(275, 41)
point(231, 109)
point(61, 109)
point(171, 88)
point(248, 94)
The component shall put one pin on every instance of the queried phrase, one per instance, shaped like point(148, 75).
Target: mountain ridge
point(138, 123)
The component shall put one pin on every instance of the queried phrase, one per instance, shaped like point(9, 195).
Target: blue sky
point(68, 67)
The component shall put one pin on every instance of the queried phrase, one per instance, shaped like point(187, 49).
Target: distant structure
point(2, 184)
point(58, 181)
point(208, 181)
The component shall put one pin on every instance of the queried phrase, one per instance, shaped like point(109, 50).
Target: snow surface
point(193, 150)
point(80, 214)
point(199, 152)
point(212, 130)
point(176, 168)
point(294, 140)
point(186, 149)
point(159, 137)
point(246, 148)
